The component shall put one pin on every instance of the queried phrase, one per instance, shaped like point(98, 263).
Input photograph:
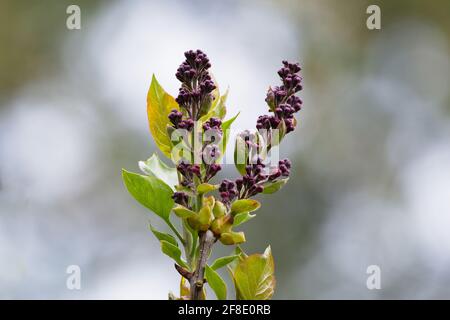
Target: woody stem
point(207, 240)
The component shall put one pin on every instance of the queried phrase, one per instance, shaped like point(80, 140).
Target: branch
point(197, 280)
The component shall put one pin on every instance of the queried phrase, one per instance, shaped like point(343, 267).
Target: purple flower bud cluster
point(188, 171)
point(282, 99)
point(283, 170)
point(211, 171)
point(213, 124)
point(256, 176)
point(195, 98)
point(267, 122)
point(228, 191)
point(181, 198)
point(196, 84)
point(196, 61)
point(252, 182)
point(176, 118)
point(211, 151)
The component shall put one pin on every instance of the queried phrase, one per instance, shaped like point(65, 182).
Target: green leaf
point(221, 109)
point(223, 261)
point(244, 205)
point(226, 133)
point(240, 218)
point(163, 236)
point(216, 283)
point(184, 289)
point(151, 192)
point(232, 238)
point(216, 92)
point(173, 252)
point(219, 209)
point(206, 187)
point(155, 167)
point(183, 212)
point(205, 215)
point(218, 108)
point(274, 186)
point(240, 155)
point(159, 105)
point(254, 277)
point(241, 254)
point(238, 250)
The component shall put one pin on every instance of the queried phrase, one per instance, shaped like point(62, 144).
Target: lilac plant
point(191, 131)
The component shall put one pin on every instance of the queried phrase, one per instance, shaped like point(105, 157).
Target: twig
point(197, 280)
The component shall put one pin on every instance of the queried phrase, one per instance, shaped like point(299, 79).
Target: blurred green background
point(371, 177)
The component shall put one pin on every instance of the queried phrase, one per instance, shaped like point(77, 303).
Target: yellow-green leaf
point(153, 166)
point(244, 205)
point(219, 209)
point(173, 252)
point(163, 236)
point(254, 277)
point(206, 187)
point(240, 218)
point(222, 224)
point(159, 105)
point(151, 192)
point(223, 261)
point(226, 133)
point(184, 289)
point(219, 109)
point(272, 187)
point(241, 256)
point(183, 212)
point(205, 217)
point(241, 153)
point(216, 283)
point(232, 238)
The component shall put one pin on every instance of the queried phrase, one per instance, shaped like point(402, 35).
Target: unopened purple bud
point(284, 166)
point(259, 189)
point(180, 198)
point(289, 125)
point(239, 183)
point(224, 195)
point(195, 169)
point(175, 117)
point(275, 175)
point(189, 54)
point(213, 169)
point(279, 112)
point(286, 162)
point(261, 177)
point(187, 124)
point(274, 122)
point(215, 122)
point(207, 86)
point(283, 72)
